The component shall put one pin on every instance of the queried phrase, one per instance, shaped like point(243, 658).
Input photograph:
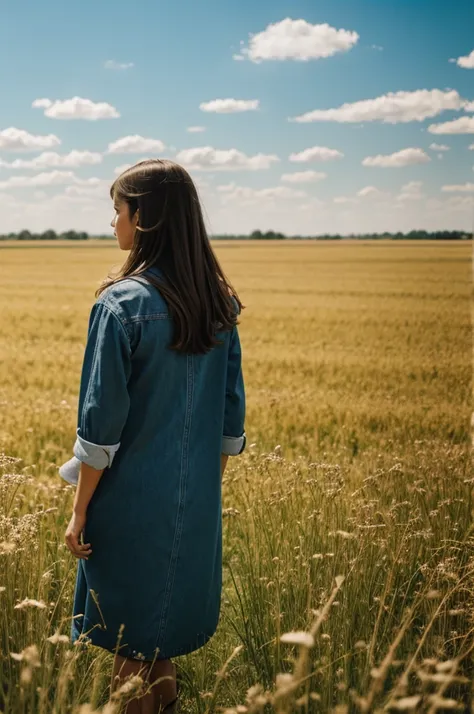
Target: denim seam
point(153, 316)
point(181, 505)
point(119, 320)
point(89, 386)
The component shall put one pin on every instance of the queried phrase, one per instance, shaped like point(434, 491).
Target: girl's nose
point(112, 222)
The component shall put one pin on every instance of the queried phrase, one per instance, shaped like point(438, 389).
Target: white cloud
point(42, 103)
point(391, 108)
point(230, 106)
point(460, 188)
point(279, 192)
point(297, 40)
point(208, 158)
point(341, 200)
point(247, 196)
point(439, 147)
point(76, 108)
point(293, 216)
point(17, 140)
point(112, 64)
point(466, 62)
point(405, 157)
point(469, 107)
point(411, 191)
point(316, 153)
point(463, 125)
point(412, 186)
point(452, 204)
point(196, 129)
point(50, 159)
point(135, 145)
point(303, 176)
point(97, 188)
point(50, 178)
point(238, 58)
point(123, 167)
point(372, 192)
point(313, 204)
point(461, 203)
point(471, 147)
point(120, 169)
point(377, 47)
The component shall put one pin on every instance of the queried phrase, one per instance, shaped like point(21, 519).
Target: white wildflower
point(57, 638)
point(30, 655)
point(30, 602)
point(305, 639)
point(406, 703)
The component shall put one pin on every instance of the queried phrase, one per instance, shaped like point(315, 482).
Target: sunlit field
point(348, 538)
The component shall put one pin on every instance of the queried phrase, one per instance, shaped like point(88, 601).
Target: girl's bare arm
point(224, 459)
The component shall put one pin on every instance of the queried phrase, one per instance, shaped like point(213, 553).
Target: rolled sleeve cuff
point(96, 455)
point(233, 445)
point(70, 471)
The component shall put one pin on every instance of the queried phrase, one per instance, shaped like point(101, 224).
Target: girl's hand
point(73, 532)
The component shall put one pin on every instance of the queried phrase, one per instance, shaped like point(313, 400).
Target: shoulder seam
point(107, 305)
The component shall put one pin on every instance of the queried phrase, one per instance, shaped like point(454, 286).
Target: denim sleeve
point(103, 396)
point(234, 437)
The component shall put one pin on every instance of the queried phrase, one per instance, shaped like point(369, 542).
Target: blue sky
point(167, 59)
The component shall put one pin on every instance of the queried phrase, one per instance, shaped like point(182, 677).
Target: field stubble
point(348, 542)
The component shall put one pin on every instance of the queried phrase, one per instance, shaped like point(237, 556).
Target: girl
point(161, 407)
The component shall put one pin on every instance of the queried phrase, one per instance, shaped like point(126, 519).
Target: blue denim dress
point(157, 421)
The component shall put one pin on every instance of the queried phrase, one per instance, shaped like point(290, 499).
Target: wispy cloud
point(459, 188)
point(463, 125)
point(230, 106)
point(136, 144)
point(207, 158)
point(411, 191)
point(48, 178)
point(439, 147)
point(13, 139)
point(391, 108)
point(51, 159)
point(372, 192)
point(405, 157)
point(112, 64)
point(76, 108)
point(303, 176)
point(316, 153)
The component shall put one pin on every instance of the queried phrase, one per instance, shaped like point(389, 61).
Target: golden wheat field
point(348, 522)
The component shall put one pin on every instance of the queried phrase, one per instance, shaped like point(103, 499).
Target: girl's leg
point(165, 691)
point(162, 692)
point(123, 668)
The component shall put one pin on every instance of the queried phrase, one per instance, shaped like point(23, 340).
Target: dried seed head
point(305, 639)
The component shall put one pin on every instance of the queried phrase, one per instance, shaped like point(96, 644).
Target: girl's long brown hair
point(171, 235)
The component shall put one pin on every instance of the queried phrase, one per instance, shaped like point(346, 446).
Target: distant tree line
point(256, 235)
point(46, 235)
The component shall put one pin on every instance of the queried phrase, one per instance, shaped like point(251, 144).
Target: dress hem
point(80, 640)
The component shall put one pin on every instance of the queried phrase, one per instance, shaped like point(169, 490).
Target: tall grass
point(348, 538)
